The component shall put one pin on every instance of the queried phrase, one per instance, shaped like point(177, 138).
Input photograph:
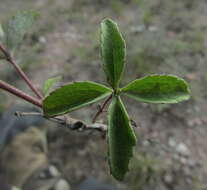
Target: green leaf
point(49, 83)
point(158, 89)
point(121, 139)
point(112, 52)
point(73, 96)
point(16, 27)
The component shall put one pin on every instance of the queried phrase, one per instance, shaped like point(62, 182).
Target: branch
point(3, 50)
point(11, 89)
point(101, 109)
point(68, 122)
point(21, 73)
point(65, 121)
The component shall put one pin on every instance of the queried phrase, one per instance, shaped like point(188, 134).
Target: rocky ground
point(162, 37)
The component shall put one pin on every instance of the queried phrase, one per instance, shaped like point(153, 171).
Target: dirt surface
point(162, 37)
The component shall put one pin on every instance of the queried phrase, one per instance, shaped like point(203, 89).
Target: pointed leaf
point(112, 52)
point(121, 139)
point(49, 83)
point(16, 27)
point(158, 89)
point(73, 96)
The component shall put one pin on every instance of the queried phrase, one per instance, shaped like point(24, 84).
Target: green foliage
point(158, 89)
point(112, 52)
point(151, 89)
point(121, 138)
point(49, 83)
point(73, 96)
point(16, 27)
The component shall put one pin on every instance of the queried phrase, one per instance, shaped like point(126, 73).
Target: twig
point(4, 51)
point(25, 78)
point(21, 114)
point(101, 109)
point(21, 73)
point(11, 89)
point(68, 122)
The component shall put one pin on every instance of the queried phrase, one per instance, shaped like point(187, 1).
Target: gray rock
point(62, 185)
point(92, 184)
point(53, 171)
point(191, 163)
point(182, 149)
point(153, 29)
point(138, 29)
point(171, 142)
point(12, 125)
point(168, 179)
point(183, 161)
point(187, 171)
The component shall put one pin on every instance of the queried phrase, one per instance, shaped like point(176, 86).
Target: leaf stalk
point(101, 109)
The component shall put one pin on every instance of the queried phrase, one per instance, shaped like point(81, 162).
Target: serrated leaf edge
point(134, 136)
point(81, 106)
point(124, 60)
point(184, 98)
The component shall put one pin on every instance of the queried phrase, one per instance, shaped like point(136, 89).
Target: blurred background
point(162, 36)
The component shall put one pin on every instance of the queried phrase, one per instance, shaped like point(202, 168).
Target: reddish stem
point(25, 78)
point(4, 51)
point(20, 71)
point(101, 109)
point(11, 89)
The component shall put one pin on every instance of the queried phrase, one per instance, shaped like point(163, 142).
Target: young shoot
point(72, 96)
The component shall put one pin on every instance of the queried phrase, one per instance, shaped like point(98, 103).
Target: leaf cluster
point(149, 89)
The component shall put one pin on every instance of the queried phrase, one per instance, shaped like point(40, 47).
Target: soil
point(162, 37)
